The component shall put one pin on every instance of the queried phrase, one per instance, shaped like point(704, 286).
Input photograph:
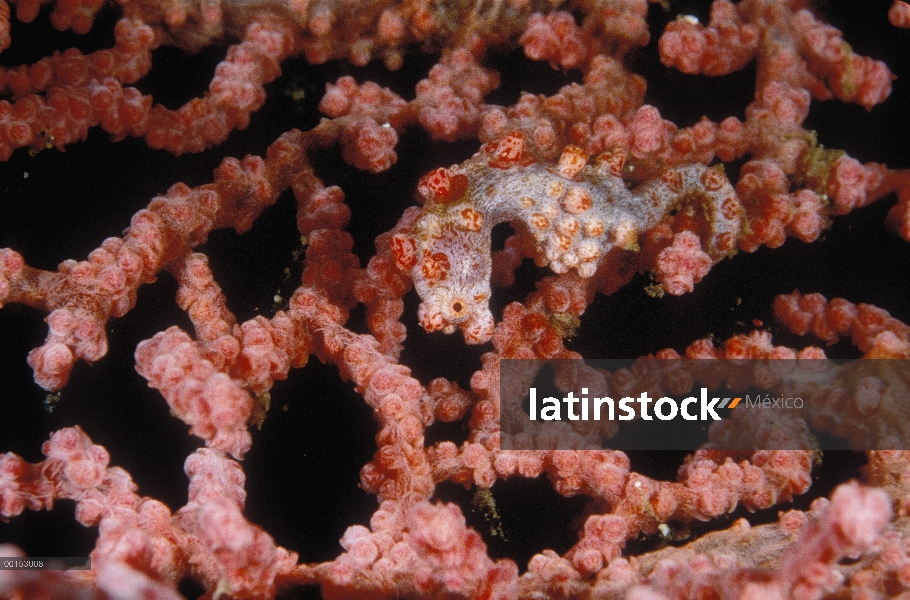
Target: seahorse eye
point(457, 310)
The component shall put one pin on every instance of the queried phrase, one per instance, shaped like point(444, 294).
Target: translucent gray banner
point(651, 404)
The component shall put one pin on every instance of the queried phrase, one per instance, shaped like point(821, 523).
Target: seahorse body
point(573, 211)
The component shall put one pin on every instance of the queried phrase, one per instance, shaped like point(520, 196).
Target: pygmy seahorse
point(573, 211)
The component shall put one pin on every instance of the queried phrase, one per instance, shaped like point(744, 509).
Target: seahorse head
point(450, 265)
